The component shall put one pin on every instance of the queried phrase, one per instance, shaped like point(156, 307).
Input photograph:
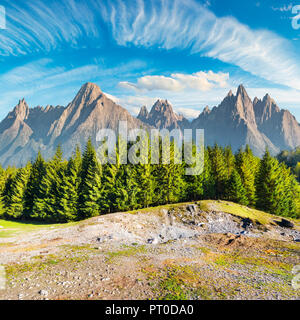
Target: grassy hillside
point(12, 228)
point(9, 228)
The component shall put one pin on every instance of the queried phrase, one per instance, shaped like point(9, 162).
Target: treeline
point(292, 160)
point(60, 191)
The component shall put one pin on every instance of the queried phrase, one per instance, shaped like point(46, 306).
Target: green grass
point(256, 263)
point(242, 211)
point(40, 263)
point(181, 283)
point(12, 228)
point(127, 252)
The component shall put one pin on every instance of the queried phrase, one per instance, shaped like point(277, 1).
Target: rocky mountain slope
point(25, 131)
point(236, 121)
point(162, 116)
point(233, 123)
point(280, 126)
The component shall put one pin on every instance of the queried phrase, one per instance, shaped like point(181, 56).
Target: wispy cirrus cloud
point(42, 82)
point(188, 25)
point(200, 81)
point(42, 26)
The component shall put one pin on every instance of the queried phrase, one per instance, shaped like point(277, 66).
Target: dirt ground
point(173, 252)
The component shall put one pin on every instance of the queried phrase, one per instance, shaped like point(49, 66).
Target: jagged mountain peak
point(241, 90)
point(206, 110)
point(90, 86)
point(88, 93)
point(143, 114)
point(162, 116)
point(230, 94)
point(255, 100)
point(237, 121)
point(161, 106)
point(21, 110)
point(265, 108)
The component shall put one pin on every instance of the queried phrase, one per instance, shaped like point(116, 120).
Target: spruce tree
point(125, 189)
point(2, 186)
point(209, 191)
point(169, 180)
point(195, 184)
point(219, 171)
point(247, 165)
point(67, 200)
point(10, 175)
point(229, 159)
point(32, 192)
point(276, 188)
point(235, 189)
point(90, 185)
point(16, 205)
point(143, 179)
point(45, 204)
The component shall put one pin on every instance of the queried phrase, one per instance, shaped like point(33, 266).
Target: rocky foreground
point(204, 250)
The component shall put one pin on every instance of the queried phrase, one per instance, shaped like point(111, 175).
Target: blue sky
point(187, 51)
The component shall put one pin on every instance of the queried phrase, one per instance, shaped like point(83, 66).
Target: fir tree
point(235, 189)
point(169, 180)
point(276, 187)
point(219, 171)
point(5, 198)
point(15, 208)
point(195, 184)
point(2, 185)
point(208, 179)
point(45, 204)
point(144, 182)
point(229, 161)
point(67, 200)
point(90, 185)
point(37, 172)
point(247, 166)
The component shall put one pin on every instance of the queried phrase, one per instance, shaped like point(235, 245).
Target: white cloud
point(153, 83)
point(188, 112)
point(113, 98)
point(200, 81)
point(134, 103)
point(188, 25)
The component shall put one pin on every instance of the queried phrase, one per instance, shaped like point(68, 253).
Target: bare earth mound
point(204, 250)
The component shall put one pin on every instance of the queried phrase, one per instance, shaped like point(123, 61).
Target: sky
point(190, 52)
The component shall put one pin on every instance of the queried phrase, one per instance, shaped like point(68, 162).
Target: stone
point(285, 223)
point(247, 223)
point(152, 241)
point(43, 293)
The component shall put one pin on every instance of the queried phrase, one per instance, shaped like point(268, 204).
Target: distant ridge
point(237, 121)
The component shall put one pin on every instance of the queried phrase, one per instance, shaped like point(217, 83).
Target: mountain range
point(237, 121)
